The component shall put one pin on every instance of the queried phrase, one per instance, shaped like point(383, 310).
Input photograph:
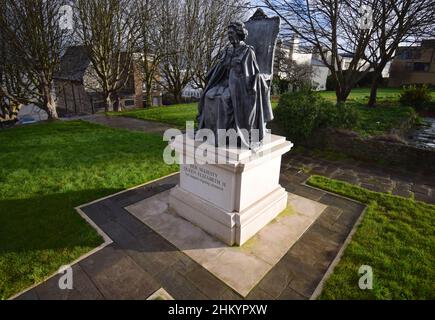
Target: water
point(424, 137)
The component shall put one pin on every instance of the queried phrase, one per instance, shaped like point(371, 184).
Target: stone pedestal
point(236, 198)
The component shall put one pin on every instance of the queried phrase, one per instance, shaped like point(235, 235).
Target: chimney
point(295, 43)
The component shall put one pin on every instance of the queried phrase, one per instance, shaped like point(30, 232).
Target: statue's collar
point(240, 48)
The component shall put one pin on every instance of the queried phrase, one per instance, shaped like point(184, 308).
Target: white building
point(190, 92)
point(346, 59)
point(292, 51)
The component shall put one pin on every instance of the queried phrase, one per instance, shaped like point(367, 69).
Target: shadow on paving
point(140, 262)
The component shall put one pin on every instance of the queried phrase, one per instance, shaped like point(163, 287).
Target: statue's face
point(232, 36)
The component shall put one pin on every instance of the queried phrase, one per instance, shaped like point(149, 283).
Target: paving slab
point(241, 268)
point(140, 261)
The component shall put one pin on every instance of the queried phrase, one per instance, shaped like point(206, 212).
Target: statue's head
point(237, 32)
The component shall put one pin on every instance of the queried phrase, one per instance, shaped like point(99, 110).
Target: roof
point(428, 43)
point(73, 64)
point(346, 55)
point(289, 45)
point(317, 62)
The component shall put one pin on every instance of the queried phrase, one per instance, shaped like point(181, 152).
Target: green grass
point(374, 121)
point(175, 115)
point(363, 94)
point(396, 238)
point(379, 120)
point(386, 116)
point(48, 169)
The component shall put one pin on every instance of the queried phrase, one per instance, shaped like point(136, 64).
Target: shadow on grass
point(47, 222)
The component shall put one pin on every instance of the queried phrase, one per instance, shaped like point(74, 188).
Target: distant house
point(414, 65)
point(78, 90)
point(70, 83)
point(346, 59)
point(190, 92)
point(293, 51)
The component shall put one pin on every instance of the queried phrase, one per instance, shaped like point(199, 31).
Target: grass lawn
point(175, 115)
point(363, 94)
point(373, 121)
point(396, 238)
point(379, 120)
point(48, 169)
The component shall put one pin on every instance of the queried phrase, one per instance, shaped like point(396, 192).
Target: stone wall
point(385, 150)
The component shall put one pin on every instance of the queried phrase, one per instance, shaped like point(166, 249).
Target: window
point(409, 66)
point(421, 67)
point(129, 103)
point(405, 55)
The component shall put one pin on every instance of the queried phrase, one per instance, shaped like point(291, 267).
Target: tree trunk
point(373, 91)
point(116, 102)
point(9, 111)
point(342, 94)
point(177, 96)
point(51, 111)
point(148, 94)
point(108, 104)
point(50, 105)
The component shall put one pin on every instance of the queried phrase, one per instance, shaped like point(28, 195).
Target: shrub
point(415, 96)
point(299, 114)
point(339, 116)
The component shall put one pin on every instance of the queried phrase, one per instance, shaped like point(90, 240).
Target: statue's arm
point(220, 61)
point(253, 71)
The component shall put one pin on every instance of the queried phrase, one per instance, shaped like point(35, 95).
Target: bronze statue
point(237, 95)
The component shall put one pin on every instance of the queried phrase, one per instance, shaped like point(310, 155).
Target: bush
point(299, 114)
point(415, 96)
point(339, 116)
point(280, 86)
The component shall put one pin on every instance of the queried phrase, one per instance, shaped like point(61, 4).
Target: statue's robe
point(236, 97)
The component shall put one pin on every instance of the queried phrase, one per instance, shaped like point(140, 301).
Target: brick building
point(78, 90)
point(414, 65)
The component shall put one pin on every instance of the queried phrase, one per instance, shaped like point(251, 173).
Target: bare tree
point(192, 34)
point(33, 41)
point(211, 34)
point(14, 92)
point(289, 72)
point(331, 27)
point(109, 31)
point(401, 21)
point(369, 30)
point(299, 75)
point(9, 106)
point(179, 23)
point(151, 43)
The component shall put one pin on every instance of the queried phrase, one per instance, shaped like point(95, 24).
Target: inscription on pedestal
point(205, 176)
point(209, 183)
